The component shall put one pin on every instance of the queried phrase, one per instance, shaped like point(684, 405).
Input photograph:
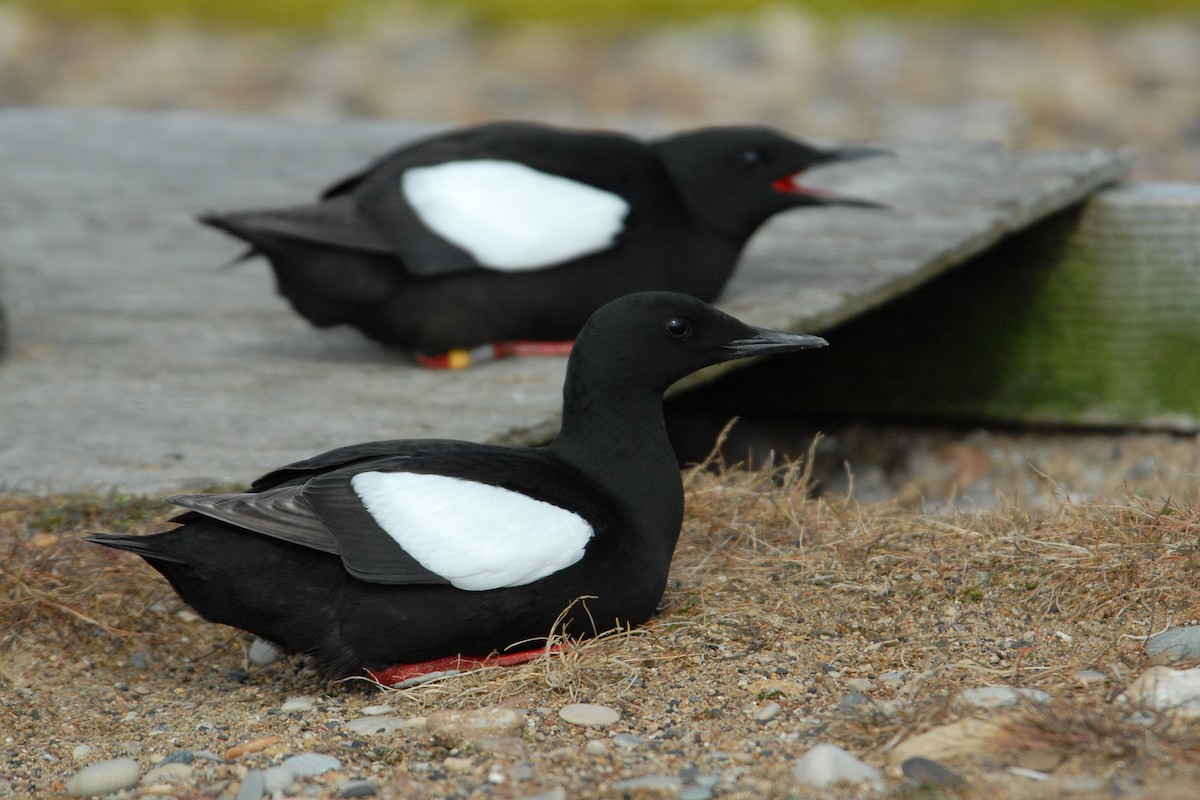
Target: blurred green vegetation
point(318, 13)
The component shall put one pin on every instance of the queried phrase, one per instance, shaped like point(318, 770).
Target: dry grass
point(774, 596)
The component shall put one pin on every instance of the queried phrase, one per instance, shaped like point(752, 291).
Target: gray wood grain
point(138, 363)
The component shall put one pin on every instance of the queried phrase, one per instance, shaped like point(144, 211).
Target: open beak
point(790, 183)
point(766, 342)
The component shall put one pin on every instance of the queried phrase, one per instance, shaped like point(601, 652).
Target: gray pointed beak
point(853, 154)
point(766, 342)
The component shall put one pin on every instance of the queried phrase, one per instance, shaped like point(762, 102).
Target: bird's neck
point(621, 445)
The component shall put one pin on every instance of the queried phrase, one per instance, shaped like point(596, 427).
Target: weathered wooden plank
point(137, 363)
point(1089, 318)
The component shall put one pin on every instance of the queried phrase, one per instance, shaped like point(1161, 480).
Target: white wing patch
point(474, 535)
point(511, 217)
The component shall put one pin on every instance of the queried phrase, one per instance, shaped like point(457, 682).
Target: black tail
point(148, 547)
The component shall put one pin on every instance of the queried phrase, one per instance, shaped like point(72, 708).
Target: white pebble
point(80, 752)
point(768, 712)
point(377, 711)
point(1000, 696)
point(627, 740)
point(826, 764)
point(277, 780)
point(104, 778)
point(1164, 689)
point(306, 765)
point(253, 786)
point(262, 652)
point(589, 714)
point(596, 747)
point(298, 704)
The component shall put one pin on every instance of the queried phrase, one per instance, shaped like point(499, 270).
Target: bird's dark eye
point(751, 157)
point(679, 327)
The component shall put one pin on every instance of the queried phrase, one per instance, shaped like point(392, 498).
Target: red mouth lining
point(788, 185)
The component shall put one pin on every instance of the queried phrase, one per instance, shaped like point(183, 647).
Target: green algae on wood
point(1089, 318)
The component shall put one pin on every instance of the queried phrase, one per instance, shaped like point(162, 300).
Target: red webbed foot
point(403, 673)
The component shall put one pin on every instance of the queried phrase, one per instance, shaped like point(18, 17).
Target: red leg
point(397, 673)
point(526, 348)
point(461, 359)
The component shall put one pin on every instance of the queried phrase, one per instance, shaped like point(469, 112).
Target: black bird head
point(735, 178)
point(649, 340)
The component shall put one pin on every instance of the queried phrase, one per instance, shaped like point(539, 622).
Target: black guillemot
point(411, 550)
point(499, 237)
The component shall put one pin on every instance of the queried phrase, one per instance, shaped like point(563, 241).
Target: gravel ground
point(788, 622)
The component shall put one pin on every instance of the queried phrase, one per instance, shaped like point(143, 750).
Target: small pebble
point(454, 728)
point(595, 747)
point(627, 741)
point(509, 746)
point(457, 764)
point(1164, 689)
point(252, 746)
point(81, 752)
point(1174, 645)
point(861, 685)
point(893, 679)
point(927, 772)
point(557, 793)
point(768, 712)
point(374, 726)
point(1000, 696)
point(695, 793)
point(307, 765)
point(825, 764)
point(426, 678)
point(1032, 774)
point(589, 715)
point(376, 711)
point(653, 782)
point(140, 661)
point(298, 704)
point(262, 652)
point(357, 789)
point(1081, 784)
point(853, 703)
point(1090, 676)
point(253, 786)
point(173, 772)
point(104, 778)
point(277, 779)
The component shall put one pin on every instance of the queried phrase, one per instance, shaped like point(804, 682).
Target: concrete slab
point(138, 364)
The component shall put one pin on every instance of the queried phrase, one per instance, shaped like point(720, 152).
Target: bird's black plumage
point(308, 559)
point(672, 214)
